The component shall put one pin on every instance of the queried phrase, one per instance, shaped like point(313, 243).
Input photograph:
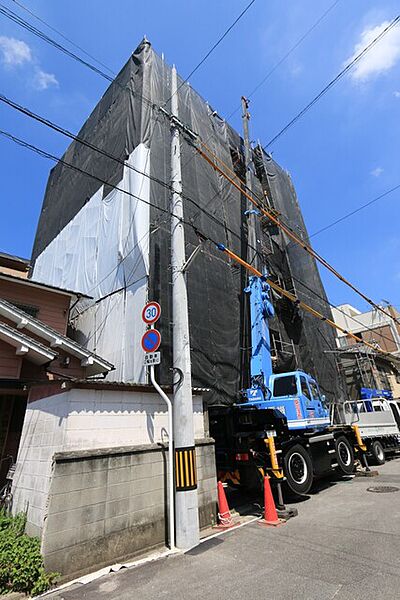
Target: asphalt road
point(343, 545)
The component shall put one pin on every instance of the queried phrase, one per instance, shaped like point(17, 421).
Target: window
point(314, 390)
point(29, 310)
point(395, 414)
point(285, 386)
point(304, 387)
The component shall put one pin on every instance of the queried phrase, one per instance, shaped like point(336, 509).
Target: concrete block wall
point(43, 434)
point(107, 505)
point(84, 419)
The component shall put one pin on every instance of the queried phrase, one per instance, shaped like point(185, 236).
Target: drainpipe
point(171, 487)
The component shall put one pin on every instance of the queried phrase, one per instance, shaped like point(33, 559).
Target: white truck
point(378, 420)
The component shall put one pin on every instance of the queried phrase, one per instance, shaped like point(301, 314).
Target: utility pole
point(251, 217)
point(186, 500)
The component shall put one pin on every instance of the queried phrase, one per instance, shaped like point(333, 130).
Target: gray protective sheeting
point(124, 118)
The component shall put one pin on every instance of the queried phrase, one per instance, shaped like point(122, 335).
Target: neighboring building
point(373, 327)
point(34, 349)
point(90, 454)
point(358, 363)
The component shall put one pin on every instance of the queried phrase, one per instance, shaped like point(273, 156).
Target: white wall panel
point(104, 250)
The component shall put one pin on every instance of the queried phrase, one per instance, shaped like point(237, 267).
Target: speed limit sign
point(151, 313)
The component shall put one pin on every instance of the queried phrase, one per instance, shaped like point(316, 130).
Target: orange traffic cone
point(270, 514)
point(224, 514)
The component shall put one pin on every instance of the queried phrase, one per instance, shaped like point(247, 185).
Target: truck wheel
point(298, 469)
point(378, 453)
point(344, 455)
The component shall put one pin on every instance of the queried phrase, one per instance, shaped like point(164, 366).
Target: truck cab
point(297, 396)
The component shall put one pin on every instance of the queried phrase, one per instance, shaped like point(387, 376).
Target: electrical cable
point(58, 32)
point(232, 255)
point(331, 305)
point(274, 68)
point(286, 55)
point(12, 16)
point(294, 236)
point(257, 202)
point(217, 43)
point(355, 211)
point(333, 82)
point(67, 133)
point(295, 300)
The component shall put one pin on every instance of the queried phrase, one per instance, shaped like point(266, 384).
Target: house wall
point(81, 419)
point(53, 306)
point(10, 362)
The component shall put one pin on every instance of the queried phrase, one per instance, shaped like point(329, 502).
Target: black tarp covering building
point(129, 115)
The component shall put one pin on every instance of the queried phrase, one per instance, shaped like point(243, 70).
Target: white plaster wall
point(83, 420)
point(100, 419)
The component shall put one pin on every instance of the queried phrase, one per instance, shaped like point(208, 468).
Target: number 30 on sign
point(151, 313)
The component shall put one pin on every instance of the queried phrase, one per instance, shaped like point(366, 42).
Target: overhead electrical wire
point(293, 298)
point(52, 125)
point(12, 16)
point(316, 296)
point(230, 178)
point(334, 81)
point(355, 211)
point(213, 47)
point(258, 203)
point(286, 55)
point(60, 33)
point(287, 230)
point(276, 66)
point(198, 232)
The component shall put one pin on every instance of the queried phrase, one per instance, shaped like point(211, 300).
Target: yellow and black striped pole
point(185, 469)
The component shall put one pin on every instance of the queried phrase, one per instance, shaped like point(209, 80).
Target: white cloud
point(14, 52)
point(396, 94)
point(377, 172)
point(43, 80)
point(382, 56)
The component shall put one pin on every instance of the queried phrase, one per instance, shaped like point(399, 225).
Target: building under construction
point(104, 230)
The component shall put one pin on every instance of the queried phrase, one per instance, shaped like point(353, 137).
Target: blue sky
point(343, 153)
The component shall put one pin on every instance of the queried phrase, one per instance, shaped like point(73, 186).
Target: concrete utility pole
point(251, 220)
point(186, 501)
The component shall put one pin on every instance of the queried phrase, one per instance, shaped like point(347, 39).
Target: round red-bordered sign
point(151, 313)
point(151, 340)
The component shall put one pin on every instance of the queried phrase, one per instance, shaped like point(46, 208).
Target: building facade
point(360, 365)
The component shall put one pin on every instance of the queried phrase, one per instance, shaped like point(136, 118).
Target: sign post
point(150, 343)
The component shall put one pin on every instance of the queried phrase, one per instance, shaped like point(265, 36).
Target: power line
point(217, 43)
point(258, 203)
point(331, 305)
point(356, 210)
point(295, 300)
point(286, 55)
point(288, 230)
point(63, 131)
point(333, 82)
point(26, 9)
point(50, 156)
point(12, 16)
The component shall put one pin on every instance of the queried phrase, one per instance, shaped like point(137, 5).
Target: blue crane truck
point(282, 426)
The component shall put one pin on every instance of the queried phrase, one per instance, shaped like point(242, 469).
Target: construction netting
point(102, 242)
